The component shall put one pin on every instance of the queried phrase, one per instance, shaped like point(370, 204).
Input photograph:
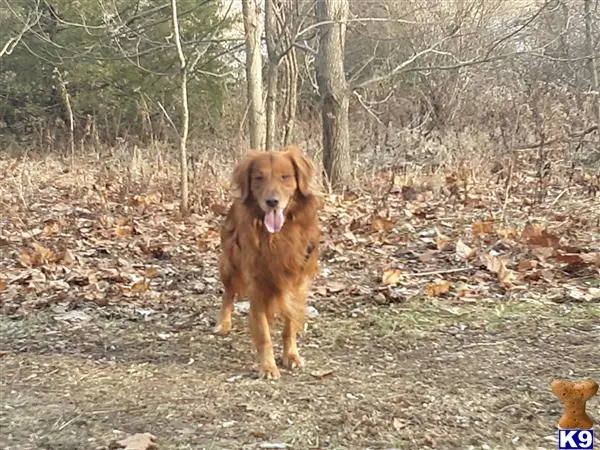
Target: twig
point(557, 140)
point(483, 344)
point(369, 110)
point(441, 272)
point(22, 181)
point(558, 197)
point(68, 422)
point(169, 119)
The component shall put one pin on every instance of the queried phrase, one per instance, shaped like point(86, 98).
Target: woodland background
point(463, 84)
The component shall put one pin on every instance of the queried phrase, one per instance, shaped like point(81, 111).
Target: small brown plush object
point(574, 395)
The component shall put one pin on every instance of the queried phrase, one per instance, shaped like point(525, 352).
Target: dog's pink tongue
point(274, 221)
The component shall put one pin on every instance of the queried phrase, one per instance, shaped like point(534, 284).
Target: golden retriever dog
point(270, 250)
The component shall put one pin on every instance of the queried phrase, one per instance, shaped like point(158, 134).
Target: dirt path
point(414, 375)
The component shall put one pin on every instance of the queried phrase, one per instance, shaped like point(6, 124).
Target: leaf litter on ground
point(99, 246)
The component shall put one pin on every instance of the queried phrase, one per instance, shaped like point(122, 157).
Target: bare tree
point(66, 98)
point(252, 27)
point(185, 111)
point(333, 88)
point(590, 48)
point(290, 65)
point(281, 22)
point(272, 71)
point(27, 23)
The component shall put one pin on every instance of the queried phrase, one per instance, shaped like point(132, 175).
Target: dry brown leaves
point(388, 231)
point(102, 248)
point(138, 441)
point(79, 244)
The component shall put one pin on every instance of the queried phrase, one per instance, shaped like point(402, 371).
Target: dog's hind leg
point(293, 324)
point(291, 357)
point(224, 321)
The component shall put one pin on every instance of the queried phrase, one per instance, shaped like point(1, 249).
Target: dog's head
point(273, 180)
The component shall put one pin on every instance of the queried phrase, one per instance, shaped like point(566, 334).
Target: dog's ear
point(242, 174)
point(304, 168)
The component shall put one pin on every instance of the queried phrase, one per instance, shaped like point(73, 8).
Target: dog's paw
point(293, 361)
point(269, 372)
point(222, 328)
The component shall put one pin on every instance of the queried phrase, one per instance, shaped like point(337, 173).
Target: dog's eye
point(286, 177)
point(259, 177)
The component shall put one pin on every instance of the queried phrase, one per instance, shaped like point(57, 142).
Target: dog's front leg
point(261, 335)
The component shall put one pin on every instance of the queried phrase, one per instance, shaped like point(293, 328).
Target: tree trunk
point(290, 62)
point(290, 65)
point(333, 89)
point(272, 71)
point(185, 112)
point(66, 98)
point(589, 40)
point(250, 10)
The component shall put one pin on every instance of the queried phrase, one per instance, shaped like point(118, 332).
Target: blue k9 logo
point(575, 439)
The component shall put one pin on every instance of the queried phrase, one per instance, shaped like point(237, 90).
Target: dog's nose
point(272, 202)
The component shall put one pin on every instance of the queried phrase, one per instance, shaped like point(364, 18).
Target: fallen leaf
point(526, 264)
point(350, 196)
point(320, 290)
point(350, 236)
point(321, 373)
point(140, 286)
point(123, 230)
point(536, 234)
point(497, 265)
point(463, 250)
point(36, 255)
point(508, 233)
point(335, 287)
point(2, 284)
point(137, 287)
point(151, 272)
point(443, 242)
point(391, 276)
point(74, 315)
point(428, 256)
point(156, 251)
point(438, 288)
point(274, 445)
point(543, 253)
point(399, 424)
point(532, 230)
point(67, 257)
point(571, 259)
point(482, 227)
point(382, 224)
point(139, 441)
point(466, 292)
point(147, 200)
point(51, 226)
point(591, 258)
point(409, 193)
point(578, 295)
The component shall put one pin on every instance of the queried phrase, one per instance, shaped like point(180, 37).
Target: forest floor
point(438, 321)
